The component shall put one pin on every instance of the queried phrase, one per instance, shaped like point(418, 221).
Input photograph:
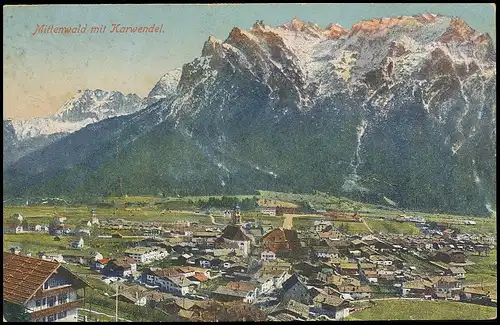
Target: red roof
point(104, 261)
point(23, 276)
point(200, 277)
point(11, 224)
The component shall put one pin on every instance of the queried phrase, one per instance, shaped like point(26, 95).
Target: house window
point(62, 314)
point(44, 301)
point(51, 301)
point(46, 285)
point(62, 298)
point(38, 303)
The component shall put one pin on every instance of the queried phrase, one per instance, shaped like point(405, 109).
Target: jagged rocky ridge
point(399, 107)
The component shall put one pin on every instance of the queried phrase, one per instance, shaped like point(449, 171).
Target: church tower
point(236, 216)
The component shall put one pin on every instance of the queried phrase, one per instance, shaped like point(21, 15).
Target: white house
point(322, 225)
point(457, 272)
point(267, 255)
point(84, 231)
point(266, 282)
point(133, 294)
point(98, 256)
point(173, 280)
point(13, 228)
point(15, 249)
point(271, 279)
point(77, 244)
point(17, 216)
point(53, 257)
point(146, 255)
point(381, 260)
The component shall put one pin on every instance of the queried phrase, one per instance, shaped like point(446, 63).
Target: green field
point(484, 270)
point(37, 242)
point(81, 214)
point(482, 227)
point(318, 200)
point(424, 310)
point(392, 227)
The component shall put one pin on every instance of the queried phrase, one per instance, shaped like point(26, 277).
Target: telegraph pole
point(116, 310)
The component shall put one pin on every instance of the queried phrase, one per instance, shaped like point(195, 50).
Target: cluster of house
point(405, 218)
point(18, 224)
point(288, 275)
point(151, 227)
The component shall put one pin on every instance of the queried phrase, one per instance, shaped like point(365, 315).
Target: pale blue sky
point(42, 71)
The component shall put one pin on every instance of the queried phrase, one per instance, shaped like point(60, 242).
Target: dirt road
point(288, 222)
point(366, 225)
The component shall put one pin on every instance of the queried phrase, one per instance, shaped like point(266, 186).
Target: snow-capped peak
point(167, 85)
point(98, 105)
point(86, 107)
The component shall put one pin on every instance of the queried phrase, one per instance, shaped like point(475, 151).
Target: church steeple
point(236, 216)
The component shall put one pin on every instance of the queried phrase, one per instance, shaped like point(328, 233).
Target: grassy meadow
point(424, 310)
point(484, 270)
point(392, 227)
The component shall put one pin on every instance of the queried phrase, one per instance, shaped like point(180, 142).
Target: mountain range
point(401, 107)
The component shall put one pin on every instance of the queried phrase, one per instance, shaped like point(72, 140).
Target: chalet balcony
point(79, 303)
point(55, 291)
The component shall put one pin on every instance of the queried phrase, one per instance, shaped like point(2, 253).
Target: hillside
point(399, 107)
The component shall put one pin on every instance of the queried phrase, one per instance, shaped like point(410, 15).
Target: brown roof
point(104, 261)
point(232, 232)
point(279, 236)
point(10, 225)
point(291, 235)
point(166, 272)
point(200, 277)
point(241, 286)
point(23, 276)
point(175, 271)
point(157, 296)
point(122, 262)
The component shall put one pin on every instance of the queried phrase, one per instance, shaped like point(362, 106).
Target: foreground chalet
point(45, 290)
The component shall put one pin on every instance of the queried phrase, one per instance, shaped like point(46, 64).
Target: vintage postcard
point(249, 162)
